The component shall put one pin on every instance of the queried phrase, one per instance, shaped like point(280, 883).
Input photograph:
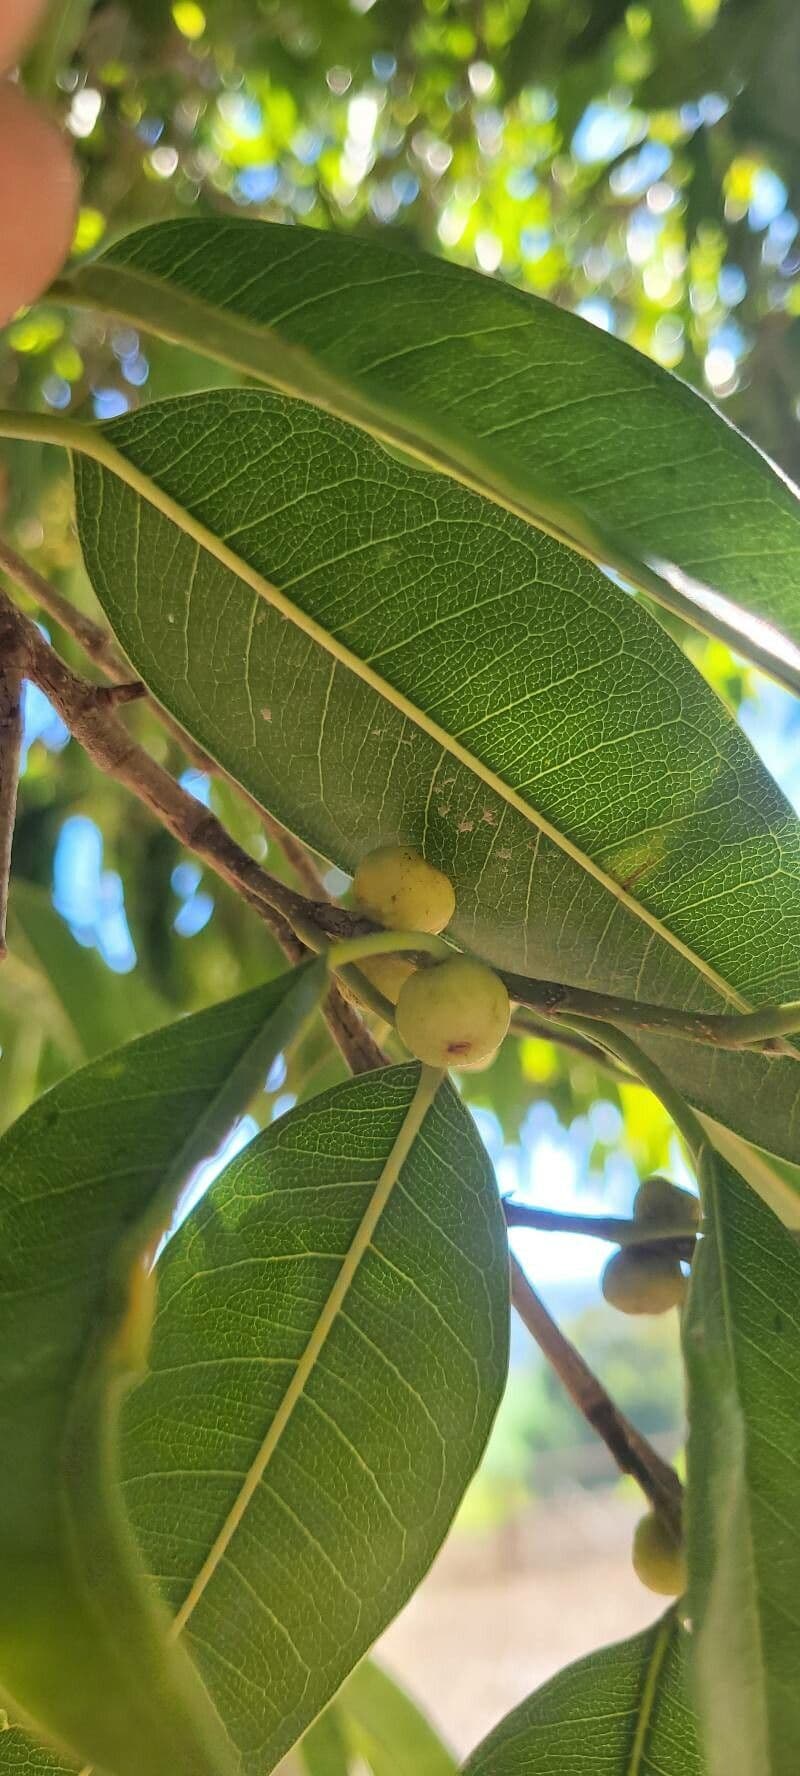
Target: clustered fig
point(397, 888)
point(658, 1557)
point(643, 1282)
point(644, 1279)
point(661, 1202)
point(387, 973)
point(454, 1014)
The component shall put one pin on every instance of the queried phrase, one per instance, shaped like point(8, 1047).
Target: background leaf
point(90, 1178)
point(506, 709)
point(742, 1349)
point(387, 1729)
point(534, 406)
point(327, 1473)
point(623, 1711)
point(100, 1009)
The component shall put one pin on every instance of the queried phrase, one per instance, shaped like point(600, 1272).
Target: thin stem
point(386, 943)
point(631, 1451)
point(651, 1075)
point(10, 749)
point(616, 1229)
point(525, 1022)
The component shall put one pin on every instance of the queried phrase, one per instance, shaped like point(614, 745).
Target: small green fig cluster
point(645, 1279)
point(454, 1013)
point(659, 1559)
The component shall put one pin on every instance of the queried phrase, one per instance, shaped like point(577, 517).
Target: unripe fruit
point(387, 973)
point(38, 200)
point(661, 1202)
point(454, 1013)
point(397, 888)
point(658, 1559)
point(638, 1282)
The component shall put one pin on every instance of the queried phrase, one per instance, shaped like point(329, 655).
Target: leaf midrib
point(97, 447)
point(649, 1692)
point(429, 1083)
point(198, 325)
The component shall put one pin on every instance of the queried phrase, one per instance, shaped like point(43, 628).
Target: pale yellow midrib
point(429, 1083)
point(430, 1080)
point(94, 445)
point(647, 1703)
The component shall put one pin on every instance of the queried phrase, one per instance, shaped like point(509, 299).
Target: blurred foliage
point(638, 163)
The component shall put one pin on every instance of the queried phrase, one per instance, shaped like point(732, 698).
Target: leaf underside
point(530, 404)
point(386, 1423)
point(623, 1711)
point(509, 688)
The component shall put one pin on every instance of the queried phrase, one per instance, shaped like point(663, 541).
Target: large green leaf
point(742, 1348)
point(90, 1179)
point(452, 676)
point(328, 1356)
point(530, 405)
point(623, 1711)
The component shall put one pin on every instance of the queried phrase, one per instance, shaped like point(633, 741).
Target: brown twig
point(100, 647)
point(288, 915)
point(92, 637)
point(10, 748)
point(631, 1451)
point(616, 1229)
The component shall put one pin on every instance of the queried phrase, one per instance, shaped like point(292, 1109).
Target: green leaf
point(21, 1756)
point(386, 1728)
point(323, 1751)
point(742, 1349)
point(96, 1009)
point(529, 404)
point(329, 1353)
point(468, 685)
point(623, 1711)
point(91, 1177)
point(373, 1724)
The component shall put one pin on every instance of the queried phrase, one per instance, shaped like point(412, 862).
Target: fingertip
point(38, 201)
point(18, 22)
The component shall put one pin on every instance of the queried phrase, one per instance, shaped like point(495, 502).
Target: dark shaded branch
point(631, 1451)
point(616, 1229)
